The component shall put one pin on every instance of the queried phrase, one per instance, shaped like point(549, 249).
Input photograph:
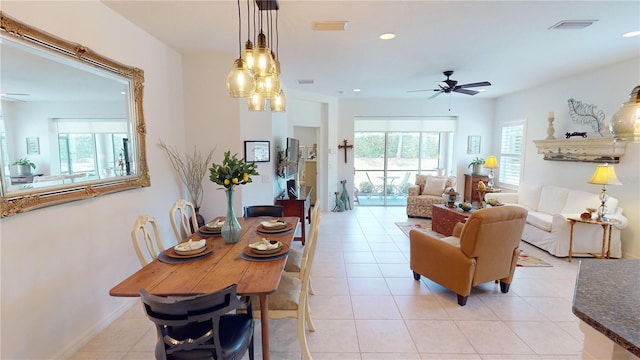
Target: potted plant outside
point(24, 166)
point(476, 165)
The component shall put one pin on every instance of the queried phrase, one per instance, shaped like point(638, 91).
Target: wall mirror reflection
point(85, 111)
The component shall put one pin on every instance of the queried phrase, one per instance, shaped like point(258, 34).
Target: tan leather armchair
point(483, 249)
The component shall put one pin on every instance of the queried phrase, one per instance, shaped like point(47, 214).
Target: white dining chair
point(297, 256)
point(291, 300)
point(145, 235)
point(183, 219)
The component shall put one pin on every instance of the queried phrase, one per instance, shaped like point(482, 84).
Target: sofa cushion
point(435, 185)
point(578, 202)
point(529, 196)
point(540, 220)
point(552, 199)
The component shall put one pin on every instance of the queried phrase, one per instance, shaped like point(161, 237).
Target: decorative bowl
point(465, 206)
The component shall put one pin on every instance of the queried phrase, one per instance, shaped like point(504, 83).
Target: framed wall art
point(257, 151)
point(33, 145)
point(473, 144)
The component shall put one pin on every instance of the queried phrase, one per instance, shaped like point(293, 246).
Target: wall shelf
point(601, 150)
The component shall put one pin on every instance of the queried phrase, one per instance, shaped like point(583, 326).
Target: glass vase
point(231, 229)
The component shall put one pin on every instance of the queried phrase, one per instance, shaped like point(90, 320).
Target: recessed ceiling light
point(356, 90)
point(123, 93)
point(631, 34)
point(305, 81)
point(387, 36)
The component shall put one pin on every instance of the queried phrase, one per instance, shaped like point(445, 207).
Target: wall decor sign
point(473, 144)
point(33, 145)
point(257, 151)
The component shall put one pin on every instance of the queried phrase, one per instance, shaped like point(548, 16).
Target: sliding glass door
point(386, 164)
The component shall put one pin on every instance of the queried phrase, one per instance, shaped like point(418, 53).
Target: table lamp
point(604, 175)
point(491, 163)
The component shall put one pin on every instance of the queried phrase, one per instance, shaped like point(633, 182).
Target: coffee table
point(444, 219)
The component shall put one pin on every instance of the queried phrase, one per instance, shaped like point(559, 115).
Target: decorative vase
point(477, 168)
point(231, 229)
point(199, 218)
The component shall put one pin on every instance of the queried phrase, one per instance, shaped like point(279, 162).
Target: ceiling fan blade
point(434, 95)
point(409, 91)
point(483, 83)
point(465, 91)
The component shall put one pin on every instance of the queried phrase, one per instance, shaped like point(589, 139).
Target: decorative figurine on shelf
point(550, 129)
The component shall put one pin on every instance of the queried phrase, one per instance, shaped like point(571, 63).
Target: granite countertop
point(607, 297)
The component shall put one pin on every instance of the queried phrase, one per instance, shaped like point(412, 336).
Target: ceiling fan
point(452, 86)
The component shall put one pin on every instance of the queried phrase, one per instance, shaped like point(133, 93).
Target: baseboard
point(83, 339)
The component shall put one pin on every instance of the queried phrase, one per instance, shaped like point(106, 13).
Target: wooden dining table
point(224, 267)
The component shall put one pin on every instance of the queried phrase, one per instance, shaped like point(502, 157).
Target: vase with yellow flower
point(231, 173)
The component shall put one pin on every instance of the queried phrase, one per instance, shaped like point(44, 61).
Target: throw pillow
point(435, 185)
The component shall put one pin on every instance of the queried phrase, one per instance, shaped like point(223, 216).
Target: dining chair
point(145, 234)
point(183, 219)
point(292, 297)
point(264, 210)
point(201, 326)
point(297, 256)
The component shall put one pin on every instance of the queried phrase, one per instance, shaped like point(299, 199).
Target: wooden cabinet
point(300, 207)
point(310, 173)
point(471, 185)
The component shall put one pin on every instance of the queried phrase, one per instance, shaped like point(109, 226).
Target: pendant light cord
point(239, 32)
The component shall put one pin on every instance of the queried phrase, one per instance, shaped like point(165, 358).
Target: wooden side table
point(481, 193)
point(606, 227)
point(444, 218)
point(300, 207)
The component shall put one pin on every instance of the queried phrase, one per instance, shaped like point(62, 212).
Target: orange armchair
point(483, 249)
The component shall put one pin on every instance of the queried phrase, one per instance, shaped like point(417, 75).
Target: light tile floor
point(368, 306)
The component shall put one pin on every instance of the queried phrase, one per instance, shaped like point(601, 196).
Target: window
point(511, 152)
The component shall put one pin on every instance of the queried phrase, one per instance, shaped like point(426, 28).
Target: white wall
point(58, 263)
point(606, 88)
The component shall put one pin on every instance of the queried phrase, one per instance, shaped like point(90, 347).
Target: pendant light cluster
point(256, 73)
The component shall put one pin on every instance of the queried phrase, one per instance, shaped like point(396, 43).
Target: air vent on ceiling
point(305, 82)
point(330, 25)
point(572, 24)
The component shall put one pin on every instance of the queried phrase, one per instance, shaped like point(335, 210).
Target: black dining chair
point(264, 210)
point(201, 326)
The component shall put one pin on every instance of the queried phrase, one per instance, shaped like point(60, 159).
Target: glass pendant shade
point(263, 61)
point(268, 85)
point(625, 124)
point(248, 54)
point(257, 102)
point(279, 102)
point(240, 81)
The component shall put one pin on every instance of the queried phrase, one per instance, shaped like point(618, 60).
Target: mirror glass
point(71, 123)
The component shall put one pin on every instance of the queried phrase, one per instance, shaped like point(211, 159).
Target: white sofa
point(547, 225)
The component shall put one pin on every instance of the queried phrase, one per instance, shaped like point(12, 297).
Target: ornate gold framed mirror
point(71, 121)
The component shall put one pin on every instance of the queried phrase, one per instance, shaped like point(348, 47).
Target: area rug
point(424, 225)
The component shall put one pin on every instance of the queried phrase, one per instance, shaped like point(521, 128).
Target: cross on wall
point(345, 145)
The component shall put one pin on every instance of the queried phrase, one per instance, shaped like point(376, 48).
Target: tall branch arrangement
point(191, 169)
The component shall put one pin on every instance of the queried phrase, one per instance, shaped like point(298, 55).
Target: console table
point(300, 207)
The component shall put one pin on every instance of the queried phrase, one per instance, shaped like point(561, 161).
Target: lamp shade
point(240, 82)
point(491, 163)
point(605, 175)
point(279, 102)
point(257, 102)
point(625, 124)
